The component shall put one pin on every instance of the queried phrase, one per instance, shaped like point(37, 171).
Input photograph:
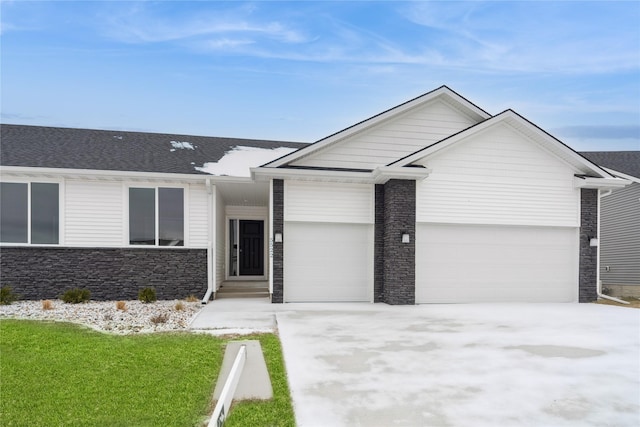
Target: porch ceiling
point(244, 193)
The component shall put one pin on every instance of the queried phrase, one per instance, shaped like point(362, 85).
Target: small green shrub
point(147, 295)
point(7, 296)
point(76, 296)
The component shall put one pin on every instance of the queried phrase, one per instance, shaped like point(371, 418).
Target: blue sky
point(303, 70)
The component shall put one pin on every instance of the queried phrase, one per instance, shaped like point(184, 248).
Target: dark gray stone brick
point(588, 255)
point(278, 248)
point(399, 258)
point(109, 273)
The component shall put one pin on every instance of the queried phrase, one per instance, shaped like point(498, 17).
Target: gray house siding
point(620, 241)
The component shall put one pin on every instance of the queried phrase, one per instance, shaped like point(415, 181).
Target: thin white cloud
point(528, 37)
point(226, 43)
point(140, 24)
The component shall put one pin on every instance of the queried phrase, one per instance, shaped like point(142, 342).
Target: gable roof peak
point(443, 92)
point(523, 126)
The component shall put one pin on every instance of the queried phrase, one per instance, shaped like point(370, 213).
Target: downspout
point(207, 296)
point(270, 238)
point(598, 281)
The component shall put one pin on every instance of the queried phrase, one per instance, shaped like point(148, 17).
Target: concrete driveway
point(480, 365)
point(462, 365)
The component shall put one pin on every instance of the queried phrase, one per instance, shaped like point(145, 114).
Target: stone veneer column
point(378, 250)
point(399, 258)
point(278, 248)
point(587, 281)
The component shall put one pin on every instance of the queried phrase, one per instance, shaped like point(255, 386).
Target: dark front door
point(251, 248)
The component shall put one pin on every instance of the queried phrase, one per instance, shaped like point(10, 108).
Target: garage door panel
point(471, 263)
point(328, 262)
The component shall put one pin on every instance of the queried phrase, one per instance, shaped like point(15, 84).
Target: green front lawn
point(55, 374)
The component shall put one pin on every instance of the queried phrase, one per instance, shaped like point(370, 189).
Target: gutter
point(207, 295)
point(598, 281)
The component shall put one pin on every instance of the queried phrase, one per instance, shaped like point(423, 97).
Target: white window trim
point(125, 216)
point(61, 218)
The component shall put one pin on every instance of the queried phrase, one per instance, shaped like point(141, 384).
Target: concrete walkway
point(236, 316)
point(372, 365)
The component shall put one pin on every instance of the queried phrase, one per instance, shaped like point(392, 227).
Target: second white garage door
point(328, 262)
point(474, 263)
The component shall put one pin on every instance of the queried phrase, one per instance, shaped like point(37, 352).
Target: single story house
point(620, 224)
point(432, 201)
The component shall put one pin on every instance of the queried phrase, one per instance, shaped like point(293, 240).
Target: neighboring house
point(620, 224)
point(432, 201)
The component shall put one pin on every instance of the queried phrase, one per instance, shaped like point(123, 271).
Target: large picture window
point(156, 216)
point(29, 213)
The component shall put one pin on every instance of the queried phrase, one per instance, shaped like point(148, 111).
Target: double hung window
point(29, 213)
point(156, 216)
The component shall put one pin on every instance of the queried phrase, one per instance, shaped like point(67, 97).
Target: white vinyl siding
point(499, 177)
point(473, 263)
point(391, 140)
point(197, 219)
point(96, 213)
point(93, 213)
point(328, 202)
point(328, 262)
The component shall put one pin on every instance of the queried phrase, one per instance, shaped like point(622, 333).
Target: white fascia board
point(107, 175)
point(379, 175)
point(456, 100)
point(384, 173)
point(600, 183)
point(623, 175)
point(267, 173)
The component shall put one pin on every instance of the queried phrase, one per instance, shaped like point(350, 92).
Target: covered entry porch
point(239, 262)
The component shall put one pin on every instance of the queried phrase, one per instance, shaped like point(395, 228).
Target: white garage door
point(328, 262)
point(472, 263)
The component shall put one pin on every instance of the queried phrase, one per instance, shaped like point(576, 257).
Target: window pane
point(13, 212)
point(44, 213)
point(233, 248)
point(171, 216)
point(142, 216)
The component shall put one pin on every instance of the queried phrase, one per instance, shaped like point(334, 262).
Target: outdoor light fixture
point(405, 238)
point(278, 237)
point(593, 242)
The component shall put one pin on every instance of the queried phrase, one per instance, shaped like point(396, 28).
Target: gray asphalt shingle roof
point(53, 147)
point(622, 161)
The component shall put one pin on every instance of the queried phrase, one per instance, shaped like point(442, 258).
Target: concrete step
point(243, 290)
point(238, 294)
point(244, 285)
